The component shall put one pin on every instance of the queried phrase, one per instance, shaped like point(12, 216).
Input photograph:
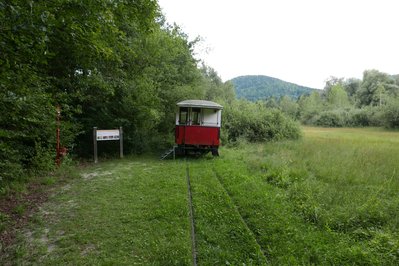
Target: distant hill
point(255, 88)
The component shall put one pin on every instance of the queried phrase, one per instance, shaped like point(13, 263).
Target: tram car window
point(196, 116)
point(183, 116)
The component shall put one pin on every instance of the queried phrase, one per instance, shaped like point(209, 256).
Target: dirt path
point(18, 209)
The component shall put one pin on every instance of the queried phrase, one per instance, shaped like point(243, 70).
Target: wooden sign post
point(107, 134)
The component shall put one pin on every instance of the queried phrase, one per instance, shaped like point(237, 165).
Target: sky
point(304, 42)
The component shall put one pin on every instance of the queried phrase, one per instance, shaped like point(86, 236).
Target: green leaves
point(105, 63)
point(374, 86)
point(337, 97)
point(391, 113)
point(254, 122)
point(352, 102)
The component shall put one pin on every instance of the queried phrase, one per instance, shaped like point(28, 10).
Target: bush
point(390, 114)
point(27, 135)
point(359, 118)
point(334, 118)
point(10, 166)
point(254, 122)
point(367, 116)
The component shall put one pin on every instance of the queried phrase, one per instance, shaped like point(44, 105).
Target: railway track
point(239, 213)
point(192, 221)
point(192, 215)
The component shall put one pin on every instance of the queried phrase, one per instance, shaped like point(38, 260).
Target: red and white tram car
point(198, 125)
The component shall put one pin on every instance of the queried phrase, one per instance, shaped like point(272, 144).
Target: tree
point(309, 107)
point(391, 113)
point(271, 102)
point(289, 107)
point(351, 86)
point(27, 120)
point(337, 97)
point(215, 88)
point(105, 63)
point(330, 83)
point(374, 86)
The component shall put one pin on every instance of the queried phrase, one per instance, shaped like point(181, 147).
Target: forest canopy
point(104, 63)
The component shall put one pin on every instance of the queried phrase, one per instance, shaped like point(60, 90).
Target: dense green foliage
point(255, 88)
point(254, 122)
point(372, 101)
point(106, 64)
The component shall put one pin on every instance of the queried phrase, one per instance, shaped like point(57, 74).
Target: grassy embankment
point(329, 198)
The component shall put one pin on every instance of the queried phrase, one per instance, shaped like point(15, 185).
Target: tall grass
point(332, 197)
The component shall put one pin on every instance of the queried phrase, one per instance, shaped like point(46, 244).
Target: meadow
point(331, 197)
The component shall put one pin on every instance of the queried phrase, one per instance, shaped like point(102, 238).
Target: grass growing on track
point(222, 236)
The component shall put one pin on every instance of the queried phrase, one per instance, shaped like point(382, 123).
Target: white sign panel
point(109, 134)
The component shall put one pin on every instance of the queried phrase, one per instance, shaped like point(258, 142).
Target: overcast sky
point(303, 42)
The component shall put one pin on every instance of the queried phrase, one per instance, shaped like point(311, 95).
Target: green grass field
point(330, 198)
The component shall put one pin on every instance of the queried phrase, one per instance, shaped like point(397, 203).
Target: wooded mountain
point(255, 88)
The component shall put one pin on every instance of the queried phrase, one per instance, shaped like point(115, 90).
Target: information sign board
point(108, 134)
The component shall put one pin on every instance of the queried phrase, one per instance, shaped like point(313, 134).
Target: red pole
point(58, 156)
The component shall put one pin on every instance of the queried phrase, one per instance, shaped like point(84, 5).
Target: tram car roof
point(200, 104)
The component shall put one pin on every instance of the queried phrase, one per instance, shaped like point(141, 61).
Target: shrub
point(27, 133)
point(334, 118)
point(10, 166)
point(390, 114)
point(255, 122)
point(359, 118)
